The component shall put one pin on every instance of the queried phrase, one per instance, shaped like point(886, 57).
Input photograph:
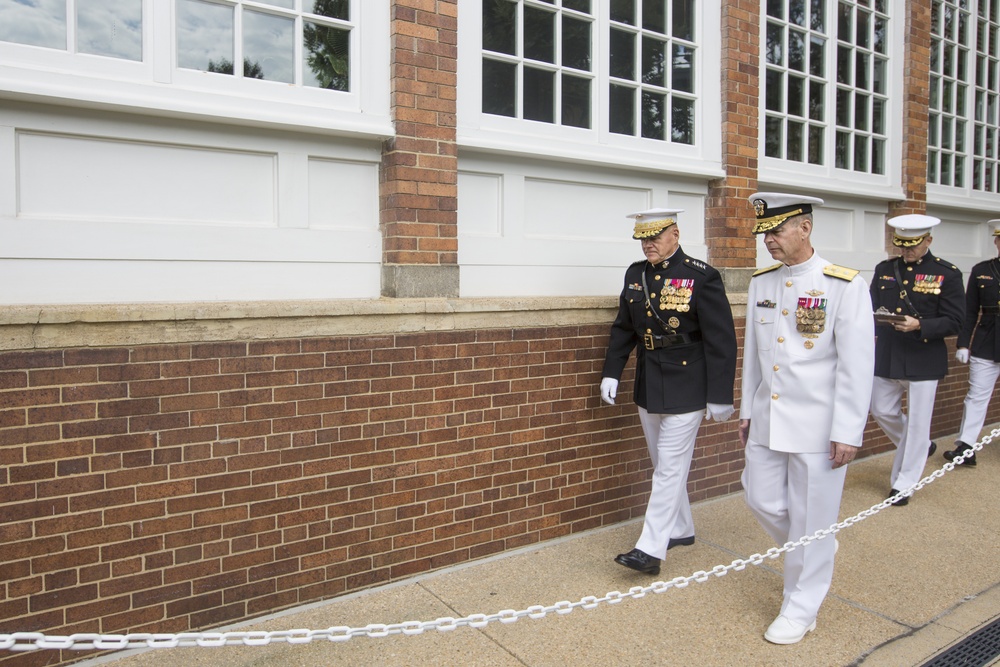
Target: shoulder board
point(946, 263)
point(766, 269)
point(637, 262)
point(842, 272)
point(696, 264)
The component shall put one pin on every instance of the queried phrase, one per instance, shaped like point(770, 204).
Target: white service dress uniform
point(807, 381)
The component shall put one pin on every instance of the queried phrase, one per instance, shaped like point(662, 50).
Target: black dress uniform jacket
point(693, 359)
point(936, 293)
point(982, 308)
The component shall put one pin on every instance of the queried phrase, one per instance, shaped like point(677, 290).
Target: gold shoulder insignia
point(766, 269)
point(841, 272)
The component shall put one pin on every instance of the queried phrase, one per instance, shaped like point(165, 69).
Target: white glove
point(609, 389)
point(718, 412)
point(962, 354)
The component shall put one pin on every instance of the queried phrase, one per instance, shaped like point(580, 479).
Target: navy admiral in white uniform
point(674, 312)
point(979, 346)
point(807, 379)
point(910, 355)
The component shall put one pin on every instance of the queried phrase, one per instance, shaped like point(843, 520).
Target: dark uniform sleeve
point(718, 332)
point(971, 311)
point(623, 338)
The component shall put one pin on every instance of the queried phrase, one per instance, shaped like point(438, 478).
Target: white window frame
point(827, 177)
point(595, 145)
point(155, 85)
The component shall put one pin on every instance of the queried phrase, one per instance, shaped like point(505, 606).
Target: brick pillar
point(916, 102)
point(418, 183)
point(728, 214)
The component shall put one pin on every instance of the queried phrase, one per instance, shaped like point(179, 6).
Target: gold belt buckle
point(647, 340)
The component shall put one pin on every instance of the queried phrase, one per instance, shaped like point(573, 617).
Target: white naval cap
point(774, 208)
point(651, 222)
point(910, 229)
point(994, 226)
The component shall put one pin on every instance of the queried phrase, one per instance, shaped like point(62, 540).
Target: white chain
point(30, 641)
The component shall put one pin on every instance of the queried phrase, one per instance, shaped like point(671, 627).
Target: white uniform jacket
point(809, 357)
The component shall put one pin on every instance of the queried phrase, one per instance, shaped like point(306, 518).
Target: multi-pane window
point(962, 100)
point(539, 64)
point(303, 42)
point(800, 109)
point(652, 66)
point(537, 60)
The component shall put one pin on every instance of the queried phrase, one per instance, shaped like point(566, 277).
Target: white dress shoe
point(786, 631)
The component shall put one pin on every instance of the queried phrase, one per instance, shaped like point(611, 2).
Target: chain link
point(32, 641)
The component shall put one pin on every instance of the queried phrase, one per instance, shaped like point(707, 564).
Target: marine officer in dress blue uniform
point(807, 379)
point(674, 312)
point(979, 346)
point(910, 354)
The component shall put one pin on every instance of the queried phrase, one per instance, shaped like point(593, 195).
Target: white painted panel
point(488, 281)
point(691, 220)
point(573, 210)
point(833, 229)
point(343, 195)
point(44, 281)
point(480, 208)
point(962, 244)
point(136, 181)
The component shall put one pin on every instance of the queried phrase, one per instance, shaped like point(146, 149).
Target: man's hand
point(910, 324)
point(609, 389)
point(718, 411)
point(841, 454)
point(744, 431)
point(962, 354)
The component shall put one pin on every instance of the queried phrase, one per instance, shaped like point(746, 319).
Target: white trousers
point(670, 439)
point(910, 432)
point(794, 495)
point(983, 375)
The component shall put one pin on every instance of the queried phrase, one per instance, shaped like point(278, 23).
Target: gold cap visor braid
point(650, 228)
point(901, 242)
point(769, 224)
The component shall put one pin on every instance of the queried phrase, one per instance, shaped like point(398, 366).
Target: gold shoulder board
point(841, 272)
point(766, 269)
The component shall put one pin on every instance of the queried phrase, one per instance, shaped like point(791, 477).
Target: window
point(230, 48)
point(539, 64)
point(811, 91)
point(965, 80)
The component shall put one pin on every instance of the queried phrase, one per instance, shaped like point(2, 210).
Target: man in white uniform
point(807, 381)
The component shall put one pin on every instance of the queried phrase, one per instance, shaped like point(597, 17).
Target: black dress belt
point(653, 342)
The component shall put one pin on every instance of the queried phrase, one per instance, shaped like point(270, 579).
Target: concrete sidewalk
point(910, 582)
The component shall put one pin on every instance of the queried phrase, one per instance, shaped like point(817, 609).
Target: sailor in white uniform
point(807, 382)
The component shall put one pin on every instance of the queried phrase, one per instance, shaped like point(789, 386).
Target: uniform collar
point(805, 267)
point(673, 260)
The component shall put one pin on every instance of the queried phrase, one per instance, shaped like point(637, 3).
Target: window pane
point(575, 101)
point(653, 116)
point(287, 4)
point(683, 19)
point(932, 130)
point(843, 107)
point(863, 26)
point(796, 51)
point(623, 11)
point(774, 93)
point(861, 112)
point(879, 77)
point(653, 56)
point(622, 55)
point(622, 110)
point(682, 69)
point(110, 28)
point(815, 144)
point(578, 5)
point(41, 23)
point(817, 101)
point(500, 26)
point(499, 88)
point(817, 61)
point(682, 121)
point(861, 71)
point(335, 9)
point(576, 43)
point(795, 142)
point(327, 51)
point(843, 65)
point(959, 171)
point(818, 15)
point(880, 28)
point(878, 116)
point(776, 8)
point(841, 150)
point(775, 44)
point(797, 12)
point(268, 47)
point(772, 137)
point(878, 156)
point(796, 96)
point(654, 16)
point(539, 95)
point(860, 153)
point(539, 35)
point(844, 16)
point(205, 36)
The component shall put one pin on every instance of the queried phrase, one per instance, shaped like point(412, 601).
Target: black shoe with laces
point(960, 449)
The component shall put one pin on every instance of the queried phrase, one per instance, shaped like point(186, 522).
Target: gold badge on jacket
point(810, 317)
point(676, 294)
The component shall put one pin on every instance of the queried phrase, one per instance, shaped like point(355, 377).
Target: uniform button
point(776, 367)
point(649, 314)
point(905, 282)
point(774, 397)
point(909, 268)
point(788, 284)
point(781, 339)
point(656, 277)
point(684, 363)
point(784, 311)
point(899, 310)
point(652, 295)
point(649, 331)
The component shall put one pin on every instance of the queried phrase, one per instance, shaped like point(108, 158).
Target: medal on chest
point(810, 317)
point(676, 294)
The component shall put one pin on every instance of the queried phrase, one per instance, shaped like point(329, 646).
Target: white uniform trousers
point(983, 375)
point(793, 495)
point(910, 432)
point(670, 439)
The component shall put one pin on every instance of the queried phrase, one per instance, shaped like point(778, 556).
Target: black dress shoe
point(902, 501)
point(961, 448)
point(932, 448)
point(679, 542)
point(640, 561)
